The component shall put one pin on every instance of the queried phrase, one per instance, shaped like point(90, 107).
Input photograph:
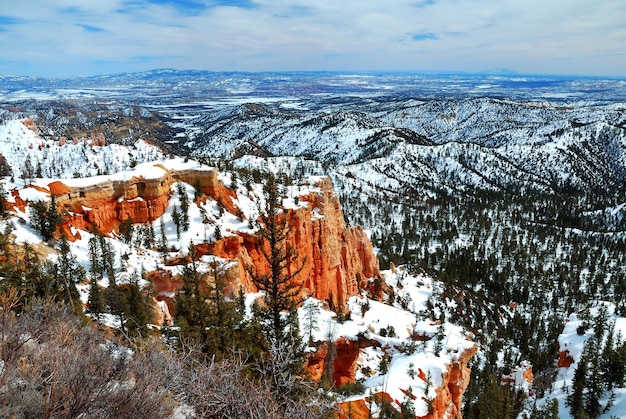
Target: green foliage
point(3, 200)
point(68, 273)
point(95, 301)
point(184, 205)
point(281, 293)
point(127, 229)
point(350, 389)
point(138, 307)
point(192, 307)
point(45, 218)
point(176, 217)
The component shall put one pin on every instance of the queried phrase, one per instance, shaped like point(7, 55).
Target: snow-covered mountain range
point(508, 189)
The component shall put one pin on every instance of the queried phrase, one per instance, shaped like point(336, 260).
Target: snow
point(376, 322)
point(19, 144)
point(573, 342)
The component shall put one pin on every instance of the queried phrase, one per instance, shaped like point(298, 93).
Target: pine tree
point(148, 235)
point(127, 230)
point(28, 170)
point(312, 312)
point(138, 307)
point(224, 319)
point(95, 300)
point(69, 273)
point(594, 386)
point(45, 218)
point(281, 292)
point(278, 314)
point(163, 240)
point(184, 205)
point(177, 219)
point(575, 398)
point(192, 308)
point(3, 200)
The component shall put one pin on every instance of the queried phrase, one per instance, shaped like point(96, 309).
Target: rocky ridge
point(339, 266)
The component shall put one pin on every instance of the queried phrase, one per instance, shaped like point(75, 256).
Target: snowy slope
point(19, 145)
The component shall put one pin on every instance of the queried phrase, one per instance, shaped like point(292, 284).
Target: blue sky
point(88, 37)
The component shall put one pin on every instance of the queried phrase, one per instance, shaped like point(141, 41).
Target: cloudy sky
point(88, 37)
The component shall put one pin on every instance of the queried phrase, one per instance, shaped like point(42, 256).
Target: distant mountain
point(455, 143)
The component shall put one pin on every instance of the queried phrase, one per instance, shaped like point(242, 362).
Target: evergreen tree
point(177, 220)
point(3, 200)
point(69, 273)
point(162, 240)
point(28, 170)
point(278, 314)
point(594, 386)
point(95, 300)
point(575, 398)
point(45, 218)
point(192, 308)
point(281, 292)
point(138, 307)
point(224, 319)
point(184, 205)
point(148, 235)
point(127, 229)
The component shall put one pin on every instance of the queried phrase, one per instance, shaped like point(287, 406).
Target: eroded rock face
point(447, 403)
point(336, 260)
point(344, 357)
point(449, 400)
point(565, 359)
point(108, 203)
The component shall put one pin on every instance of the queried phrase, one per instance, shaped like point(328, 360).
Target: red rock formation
point(528, 375)
point(30, 124)
point(449, 399)
point(161, 314)
point(166, 287)
point(344, 362)
point(109, 203)
point(356, 409)
point(336, 259)
point(446, 404)
point(565, 359)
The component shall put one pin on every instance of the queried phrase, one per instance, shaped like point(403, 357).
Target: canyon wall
point(336, 260)
point(107, 203)
point(447, 403)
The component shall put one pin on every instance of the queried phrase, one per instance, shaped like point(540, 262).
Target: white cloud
point(87, 37)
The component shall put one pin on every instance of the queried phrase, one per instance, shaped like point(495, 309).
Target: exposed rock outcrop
point(565, 359)
point(344, 359)
point(449, 400)
point(337, 260)
point(447, 403)
point(107, 203)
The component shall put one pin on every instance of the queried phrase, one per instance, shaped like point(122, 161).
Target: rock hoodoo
point(449, 400)
point(337, 259)
point(110, 201)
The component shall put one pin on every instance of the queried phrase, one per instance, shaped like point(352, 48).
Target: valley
point(494, 204)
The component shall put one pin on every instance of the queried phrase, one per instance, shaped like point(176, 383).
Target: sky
point(91, 37)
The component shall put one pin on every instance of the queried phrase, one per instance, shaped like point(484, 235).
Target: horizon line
point(493, 72)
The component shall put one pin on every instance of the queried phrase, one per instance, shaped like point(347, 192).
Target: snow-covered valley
point(498, 221)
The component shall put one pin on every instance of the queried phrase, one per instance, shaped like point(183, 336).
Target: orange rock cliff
point(107, 203)
point(338, 260)
point(447, 403)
